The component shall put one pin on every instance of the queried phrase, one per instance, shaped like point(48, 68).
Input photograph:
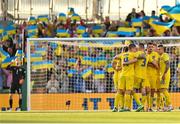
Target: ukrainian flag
point(32, 35)
point(5, 36)
point(48, 64)
point(36, 57)
point(71, 72)
point(137, 22)
point(42, 65)
point(43, 18)
point(80, 29)
point(32, 29)
point(164, 9)
point(109, 68)
point(87, 60)
point(86, 73)
point(146, 19)
point(112, 34)
point(71, 11)
point(1, 29)
point(161, 27)
point(4, 54)
point(62, 33)
point(7, 61)
point(19, 53)
point(10, 30)
point(99, 74)
point(75, 17)
point(101, 61)
point(41, 51)
point(72, 62)
point(174, 13)
point(126, 31)
point(31, 20)
point(97, 29)
point(85, 34)
point(62, 17)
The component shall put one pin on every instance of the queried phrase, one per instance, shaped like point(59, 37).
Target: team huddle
point(145, 72)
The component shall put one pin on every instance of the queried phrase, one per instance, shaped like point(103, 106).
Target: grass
point(89, 117)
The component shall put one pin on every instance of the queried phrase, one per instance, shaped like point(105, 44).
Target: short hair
point(125, 49)
point(150, 43)
point(141, 45)
point(131, 46)
point(161, 46)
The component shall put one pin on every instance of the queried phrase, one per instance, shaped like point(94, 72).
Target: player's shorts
point(126, 83)
point(15, 88)
point(141, 83)
point(153, 80)
point(165, 84)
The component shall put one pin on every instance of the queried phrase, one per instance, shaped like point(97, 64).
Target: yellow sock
point(128, 101)
point(144, 98)
point(137, 99)
point(121, 100)
point(158, 100)
point(131, 102)
point(148, 100)
point(167, 97)
point(116, 101)
point(161, 100)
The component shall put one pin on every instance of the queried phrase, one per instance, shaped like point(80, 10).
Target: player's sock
point(158, 100)
point(167, 96)
point(10, 103)
point(116, 101)
point(137, 99)
point(121, 100)
point(20, 103)
point(151, 102)
point(144, 98)
point(148, 99)
point(127, 101)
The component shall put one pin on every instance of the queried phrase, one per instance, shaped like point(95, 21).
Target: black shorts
point(16, 88)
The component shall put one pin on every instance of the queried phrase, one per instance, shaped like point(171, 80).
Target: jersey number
point(144, 62)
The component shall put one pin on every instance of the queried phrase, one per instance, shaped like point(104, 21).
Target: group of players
point(140, 71)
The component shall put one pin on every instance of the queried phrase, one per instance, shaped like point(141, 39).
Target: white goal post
point(167, 41)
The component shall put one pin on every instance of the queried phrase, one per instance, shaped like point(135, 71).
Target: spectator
point(132, 15)
point(52, 85)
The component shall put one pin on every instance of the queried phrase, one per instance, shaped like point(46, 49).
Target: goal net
point(77, 74)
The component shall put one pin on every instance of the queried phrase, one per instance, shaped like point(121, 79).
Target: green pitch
point(89, 117)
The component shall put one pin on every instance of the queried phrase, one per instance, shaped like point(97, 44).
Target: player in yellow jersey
point(127, 76)
point(165, 76)
point(116, 64)
point(153, 67)
point(178, 69)
point(141, 84)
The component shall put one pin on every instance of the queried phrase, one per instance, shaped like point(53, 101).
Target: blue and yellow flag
point(32, 29)
point(97, 29)
point(5, 36)
point(174, 13)
point(161, 27)
point(42, 51)
point(7, 61)
point(137, 22)
point(1, 29)
point(101, 61)
point(71, 72)
point(10, 30)
point(109, 68)
point(31, 20)
point(19, 53)
point(75, 17)
point(126, 31)
point(36, 57)
point(86, 73)
point(85, 34)
point(164, 9)
point(62, 33)
point(80, 29)
point(72, 61)
point(62, 17)
point(43, 18)
point(146, 19)
point(42, 65)
point(112, 34)
point(99, 74)
point(86, 60)
point(71, 11)
point(4, 54)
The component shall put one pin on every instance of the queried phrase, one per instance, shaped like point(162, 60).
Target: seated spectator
point(52, 85)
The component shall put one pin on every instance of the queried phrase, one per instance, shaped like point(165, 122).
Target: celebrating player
point(127, 76)
point(165, 76)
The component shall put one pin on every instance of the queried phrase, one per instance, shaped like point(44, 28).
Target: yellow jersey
point(127, 70)
point(179, 65)
point(163, 59)
point(117, 60)
point(141, 65)
point(153, 56)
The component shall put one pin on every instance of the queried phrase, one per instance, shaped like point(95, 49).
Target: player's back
point(141, 65)
point(127, 70)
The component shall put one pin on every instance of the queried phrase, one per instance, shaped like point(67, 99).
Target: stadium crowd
point(69, 60)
